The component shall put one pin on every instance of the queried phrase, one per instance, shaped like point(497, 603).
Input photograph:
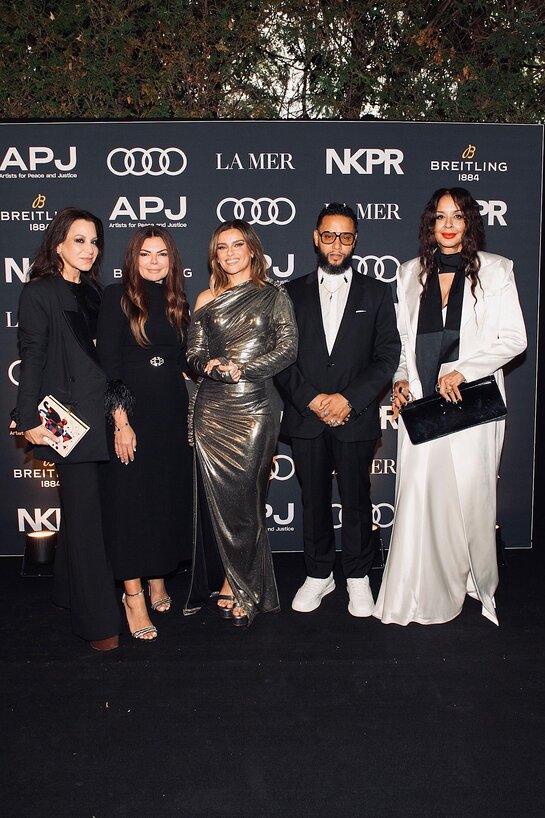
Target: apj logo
point(281, 273)
point(36, 159)
point(147, 206)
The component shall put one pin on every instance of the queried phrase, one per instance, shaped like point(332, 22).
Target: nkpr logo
point(261, 211)
point(364, 160)
point(493, 210)
point(38, 520)
point(29, 162)
point(146, 161)
point(12, 268)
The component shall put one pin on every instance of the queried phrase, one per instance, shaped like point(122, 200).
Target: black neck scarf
point(438, 343)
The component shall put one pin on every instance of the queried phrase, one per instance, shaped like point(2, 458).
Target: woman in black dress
point(147, 485)
point(58, 312)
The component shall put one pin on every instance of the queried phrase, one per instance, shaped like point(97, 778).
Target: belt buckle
point(157, 361)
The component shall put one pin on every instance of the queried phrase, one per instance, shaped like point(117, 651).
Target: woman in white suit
point(459, 319)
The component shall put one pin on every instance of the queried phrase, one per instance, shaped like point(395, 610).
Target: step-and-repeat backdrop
point(188, 176)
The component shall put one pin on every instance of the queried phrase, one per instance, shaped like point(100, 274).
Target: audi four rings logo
point(384, 267)
point(261, 211)
point(383, 515)
point(275, 471)
point(146, 161)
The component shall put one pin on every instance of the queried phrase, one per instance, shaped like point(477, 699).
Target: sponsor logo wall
point(187, 176)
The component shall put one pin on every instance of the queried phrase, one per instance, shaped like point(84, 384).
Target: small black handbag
point(432, 417)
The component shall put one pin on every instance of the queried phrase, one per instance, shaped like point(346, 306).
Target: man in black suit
point(348, 351)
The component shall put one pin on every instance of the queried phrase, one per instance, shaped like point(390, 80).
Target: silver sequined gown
point(235, 428)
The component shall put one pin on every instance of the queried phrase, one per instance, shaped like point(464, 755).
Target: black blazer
point(59, 358)
point(363, 359)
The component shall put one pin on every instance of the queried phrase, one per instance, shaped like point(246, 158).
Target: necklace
point(332, 292)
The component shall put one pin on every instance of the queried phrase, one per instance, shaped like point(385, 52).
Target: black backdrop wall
point(188, 176)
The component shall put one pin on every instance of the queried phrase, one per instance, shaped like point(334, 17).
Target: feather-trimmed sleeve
point(112, 325)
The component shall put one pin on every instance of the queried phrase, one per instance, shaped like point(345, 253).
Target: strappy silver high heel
point(166, 600)
point(141, 632)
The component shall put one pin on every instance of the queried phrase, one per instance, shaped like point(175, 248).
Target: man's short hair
point(337, 209)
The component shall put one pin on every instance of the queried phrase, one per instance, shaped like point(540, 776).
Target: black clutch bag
point(432, 417)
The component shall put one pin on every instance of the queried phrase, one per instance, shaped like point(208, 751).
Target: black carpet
point(319, 715)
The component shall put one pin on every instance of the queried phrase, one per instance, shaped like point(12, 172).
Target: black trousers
point(315, 460)
point(84, 580)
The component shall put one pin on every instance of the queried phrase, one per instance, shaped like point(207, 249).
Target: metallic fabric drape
point(235, 428)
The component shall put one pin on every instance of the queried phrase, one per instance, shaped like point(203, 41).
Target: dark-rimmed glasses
point(328, 237)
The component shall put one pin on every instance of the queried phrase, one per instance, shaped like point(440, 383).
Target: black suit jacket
point(361, 364)
point(58, 358)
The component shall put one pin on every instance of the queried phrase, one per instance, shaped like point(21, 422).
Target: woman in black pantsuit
point(58, 312)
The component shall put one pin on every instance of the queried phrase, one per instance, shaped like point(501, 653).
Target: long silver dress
point(235, 428)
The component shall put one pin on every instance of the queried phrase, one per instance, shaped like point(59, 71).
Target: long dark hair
point(473, 239)
point(258, 267)
point(134, 300)
point(47, 261)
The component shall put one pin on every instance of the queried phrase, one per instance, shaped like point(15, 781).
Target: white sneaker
point(361, 599)
point(311, 592)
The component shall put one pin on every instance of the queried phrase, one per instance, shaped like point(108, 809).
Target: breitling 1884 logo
point(469, 167)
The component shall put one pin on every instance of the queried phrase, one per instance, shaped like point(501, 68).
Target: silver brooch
point(157, 361)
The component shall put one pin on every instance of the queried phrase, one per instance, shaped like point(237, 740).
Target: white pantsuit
point(443, 539)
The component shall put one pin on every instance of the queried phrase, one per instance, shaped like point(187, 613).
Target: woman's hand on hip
point(125, 443)
point(448, 384)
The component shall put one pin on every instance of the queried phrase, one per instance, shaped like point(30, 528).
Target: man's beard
point(333, 269)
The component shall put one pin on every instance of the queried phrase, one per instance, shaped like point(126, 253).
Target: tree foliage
point(344, 59)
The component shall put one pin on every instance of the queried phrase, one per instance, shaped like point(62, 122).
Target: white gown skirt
point(443, 538)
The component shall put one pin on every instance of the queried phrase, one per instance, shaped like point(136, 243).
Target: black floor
point(318, 715)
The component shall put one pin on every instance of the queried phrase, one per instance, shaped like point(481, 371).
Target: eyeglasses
point(328, 237)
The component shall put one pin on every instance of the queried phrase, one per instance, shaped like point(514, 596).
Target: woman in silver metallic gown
point(243, 332)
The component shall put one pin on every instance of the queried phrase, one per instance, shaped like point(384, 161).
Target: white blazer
point(424, 578)
point(492, 328)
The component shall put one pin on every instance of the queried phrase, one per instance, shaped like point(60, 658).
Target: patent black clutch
point(432, 417)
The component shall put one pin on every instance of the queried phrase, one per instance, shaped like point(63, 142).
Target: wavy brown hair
point(134, 300)
point(258, 268)
point(47, 261)
point(473, 238)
